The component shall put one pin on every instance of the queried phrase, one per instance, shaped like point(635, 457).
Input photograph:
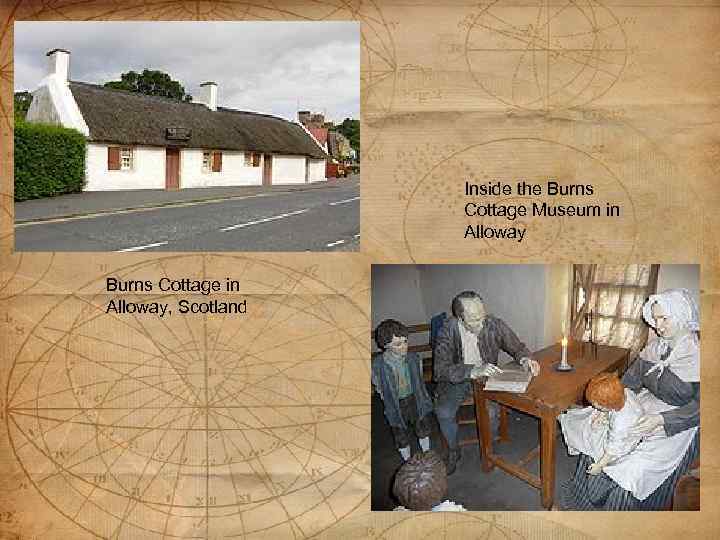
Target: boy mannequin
point(398, 378)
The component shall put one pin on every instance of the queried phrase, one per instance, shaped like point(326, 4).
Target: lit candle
point(563, 357)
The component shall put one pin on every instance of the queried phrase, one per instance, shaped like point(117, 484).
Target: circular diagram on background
point(378, 72)
point(195, 425)
point(437, 203)
point(459, 526)
point(553, 56)
point(20, 272)
point(6, 79)
point(7, 220)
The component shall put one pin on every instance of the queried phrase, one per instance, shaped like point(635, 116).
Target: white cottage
point(146, 142)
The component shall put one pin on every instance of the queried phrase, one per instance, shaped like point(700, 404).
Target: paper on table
point(510, 380)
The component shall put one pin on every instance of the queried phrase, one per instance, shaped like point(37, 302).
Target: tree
point(152, 83)
point(351, 129)
point(22, 104)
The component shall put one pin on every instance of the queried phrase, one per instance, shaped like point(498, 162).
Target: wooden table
point(549, 394)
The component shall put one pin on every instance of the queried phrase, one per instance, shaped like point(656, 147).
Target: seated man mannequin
point(467, 348)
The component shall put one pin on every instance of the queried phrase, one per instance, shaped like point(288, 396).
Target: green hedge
point(49, 161)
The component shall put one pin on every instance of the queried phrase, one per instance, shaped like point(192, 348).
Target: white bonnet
point(677, 304)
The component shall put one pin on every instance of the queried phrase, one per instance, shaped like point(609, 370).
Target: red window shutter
point(256, 160)
point(217, 162)
point(113, 158)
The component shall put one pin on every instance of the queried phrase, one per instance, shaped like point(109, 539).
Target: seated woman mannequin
point(665, 378)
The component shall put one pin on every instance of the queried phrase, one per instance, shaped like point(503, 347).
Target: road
point(322, 219)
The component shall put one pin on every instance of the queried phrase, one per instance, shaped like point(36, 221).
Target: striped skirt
point(586, 492)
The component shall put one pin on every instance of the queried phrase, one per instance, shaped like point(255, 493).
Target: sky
point(266, 67)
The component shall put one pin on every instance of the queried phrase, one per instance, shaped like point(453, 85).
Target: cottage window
point(120, 158)
point(125, 159)
point(607, 301)
point(252, 159)
point(212, 161)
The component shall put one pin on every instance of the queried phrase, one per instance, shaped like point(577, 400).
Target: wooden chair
point(466, 415)
point(424, 349)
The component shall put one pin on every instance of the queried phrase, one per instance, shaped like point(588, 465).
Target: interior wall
point(396, 294)
point(557, 295)
point(515, 293)
point(671, 276)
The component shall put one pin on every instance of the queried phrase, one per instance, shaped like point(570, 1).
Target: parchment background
point(620, 94)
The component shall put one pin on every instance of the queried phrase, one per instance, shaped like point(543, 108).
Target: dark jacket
point(448, 366)
point(384, 381)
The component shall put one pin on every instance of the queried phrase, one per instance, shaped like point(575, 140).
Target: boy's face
point(398, 346)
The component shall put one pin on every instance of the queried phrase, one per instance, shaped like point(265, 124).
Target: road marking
point(357, 236)
point(140, 248)
point(331, 244)
point(169, 204)
point(121, 211)
point(264, 220)
point(344, 201)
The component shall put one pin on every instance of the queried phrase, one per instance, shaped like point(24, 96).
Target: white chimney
point(209, 95)
point(59, 64)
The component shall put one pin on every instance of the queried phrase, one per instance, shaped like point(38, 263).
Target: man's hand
point(530, 364)
point(646, 425)
point(484, 370)
point(595, 469)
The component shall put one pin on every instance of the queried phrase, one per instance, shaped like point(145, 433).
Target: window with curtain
point(614, 294)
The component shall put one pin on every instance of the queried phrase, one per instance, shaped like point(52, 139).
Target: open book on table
point(510, 380)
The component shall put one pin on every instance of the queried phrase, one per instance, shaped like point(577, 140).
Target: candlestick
point(563, 364)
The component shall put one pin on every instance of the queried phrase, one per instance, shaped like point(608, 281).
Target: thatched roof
point(121, 117)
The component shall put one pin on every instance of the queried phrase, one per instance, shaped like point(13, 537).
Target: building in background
point(136, 141)
point(339, 147)
point(335, 144)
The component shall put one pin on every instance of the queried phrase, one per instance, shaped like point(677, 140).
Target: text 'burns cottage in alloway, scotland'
point(136, 141)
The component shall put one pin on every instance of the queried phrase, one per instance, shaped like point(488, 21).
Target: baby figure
point(604, 430)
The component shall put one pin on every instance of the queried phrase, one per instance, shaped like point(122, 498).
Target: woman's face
point(665, 325)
